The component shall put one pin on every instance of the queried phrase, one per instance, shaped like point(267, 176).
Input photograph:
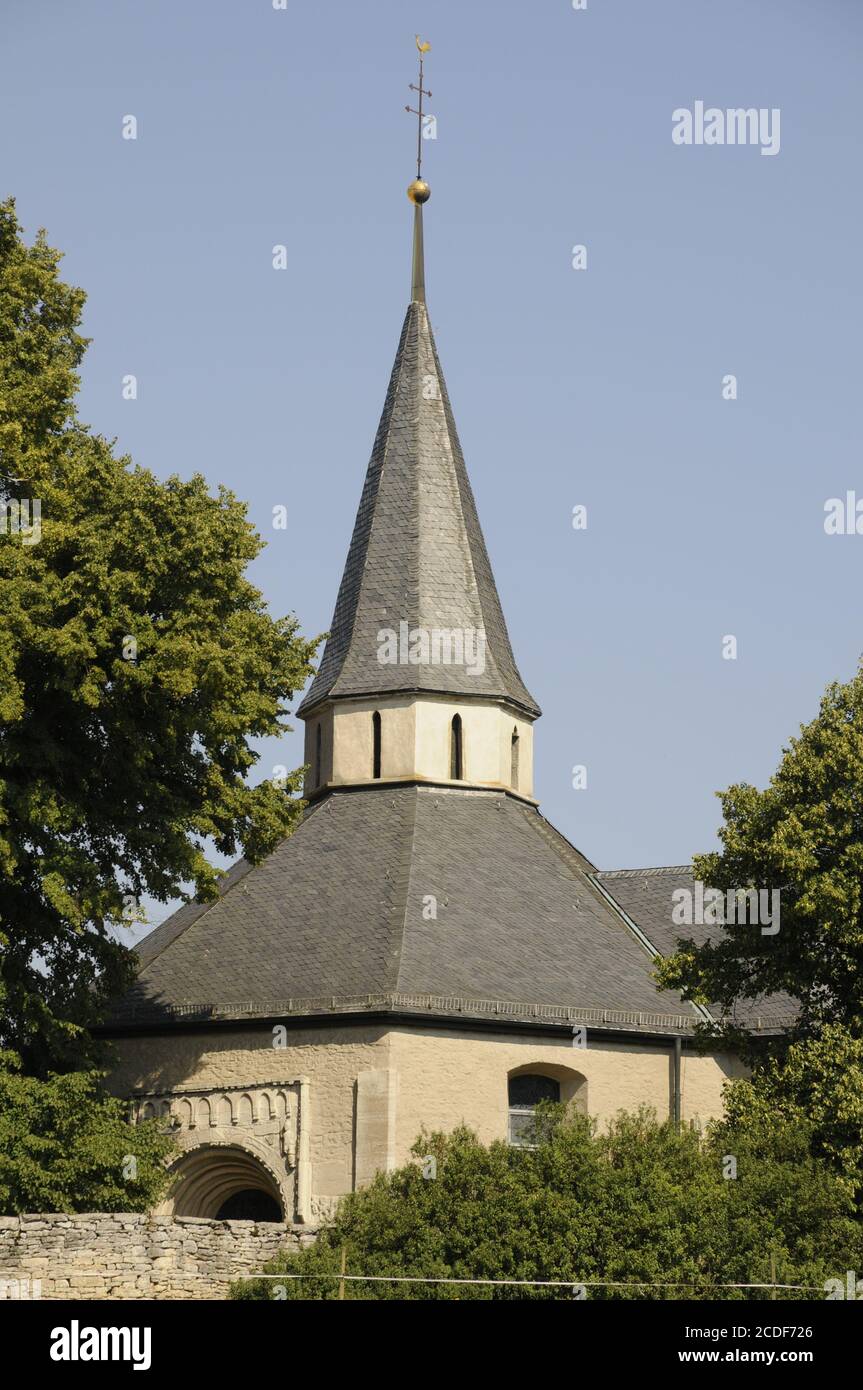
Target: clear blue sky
point(600, 387)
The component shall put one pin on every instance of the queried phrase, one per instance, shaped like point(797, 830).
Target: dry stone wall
point(131, 1256)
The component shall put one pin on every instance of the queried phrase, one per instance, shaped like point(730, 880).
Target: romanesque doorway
point(249, 1204)
point(226, 1183)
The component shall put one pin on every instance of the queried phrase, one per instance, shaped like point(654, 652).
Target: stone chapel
point(426, 948)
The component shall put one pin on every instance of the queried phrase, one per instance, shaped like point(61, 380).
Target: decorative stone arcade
point(242, 1157)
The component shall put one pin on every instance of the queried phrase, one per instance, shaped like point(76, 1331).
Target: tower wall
point(416, 743)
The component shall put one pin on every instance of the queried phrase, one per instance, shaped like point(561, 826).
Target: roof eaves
point(440, 1007)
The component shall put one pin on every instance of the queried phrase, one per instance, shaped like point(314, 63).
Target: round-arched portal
point(224, 1182)
point(250, 1204)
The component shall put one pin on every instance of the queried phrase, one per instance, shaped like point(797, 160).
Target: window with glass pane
point(525, 1094)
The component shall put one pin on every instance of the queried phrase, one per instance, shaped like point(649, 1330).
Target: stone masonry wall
point(132, 1256)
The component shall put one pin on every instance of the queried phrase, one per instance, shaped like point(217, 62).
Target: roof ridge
point(638, 873)
point(460, 475)
point(565, 849)
point(386, 415)
point(358, 543)
point(406, 869)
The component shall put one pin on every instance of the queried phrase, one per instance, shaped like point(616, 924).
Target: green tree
point(802, 835)
point(816, 1088)
point(640, 1211)
point(65, 1146)
point(136, 664)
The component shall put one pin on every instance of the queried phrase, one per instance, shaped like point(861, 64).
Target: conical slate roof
point(417, 555)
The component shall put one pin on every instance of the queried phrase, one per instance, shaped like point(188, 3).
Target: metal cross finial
point(422, 49)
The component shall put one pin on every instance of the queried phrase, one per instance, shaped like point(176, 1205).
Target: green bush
point(639, 1211)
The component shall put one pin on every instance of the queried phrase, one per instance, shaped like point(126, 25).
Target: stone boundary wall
point(132, 1256)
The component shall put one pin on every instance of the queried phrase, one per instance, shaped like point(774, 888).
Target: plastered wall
point(415, 742)
point(449, 1077)
point(373, 1088)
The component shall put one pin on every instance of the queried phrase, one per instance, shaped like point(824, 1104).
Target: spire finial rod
point(419, 191)
point(422, 48)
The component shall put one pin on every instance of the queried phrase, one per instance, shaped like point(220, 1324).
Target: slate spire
point(418, 609)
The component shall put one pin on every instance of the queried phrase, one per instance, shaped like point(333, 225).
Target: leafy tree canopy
point(802, 835)
point(136, 664)
point(65, 1146)
point(817, 1087)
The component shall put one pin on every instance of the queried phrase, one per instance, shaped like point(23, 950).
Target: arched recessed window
point(318, 742)
point(513, 768)
point(456, 759)
point(525, 1093)
point(376, 744)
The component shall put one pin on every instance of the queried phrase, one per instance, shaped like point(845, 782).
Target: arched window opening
point(513, 770)
point(525, 1093)
point(376, 744)
point(318, 743)
point(456, 760)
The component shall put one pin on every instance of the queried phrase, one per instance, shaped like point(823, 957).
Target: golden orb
point(419, 191)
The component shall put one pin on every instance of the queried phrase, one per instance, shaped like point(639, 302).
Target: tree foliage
point(815, 1087)
point(639, 1211)
point(65, 1146)
point(136, 664)
point(802, 835)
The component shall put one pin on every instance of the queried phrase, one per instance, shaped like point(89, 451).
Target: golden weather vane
point(419, 191)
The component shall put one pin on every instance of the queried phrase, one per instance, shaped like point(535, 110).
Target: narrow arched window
point(456, 761)
point(525, 1093)
point(376, 744)
point(513, 767)
point(318, 742)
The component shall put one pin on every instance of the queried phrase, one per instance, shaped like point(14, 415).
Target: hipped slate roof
point(432, 902)
point(417, 553)
point(455, 900)
point(646, 896)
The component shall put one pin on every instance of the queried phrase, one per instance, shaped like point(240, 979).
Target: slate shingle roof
point(339, 917)
point(646, 895)
point(417, 554)
point(340, 911)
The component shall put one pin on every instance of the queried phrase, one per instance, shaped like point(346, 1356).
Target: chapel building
point(425, 949)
